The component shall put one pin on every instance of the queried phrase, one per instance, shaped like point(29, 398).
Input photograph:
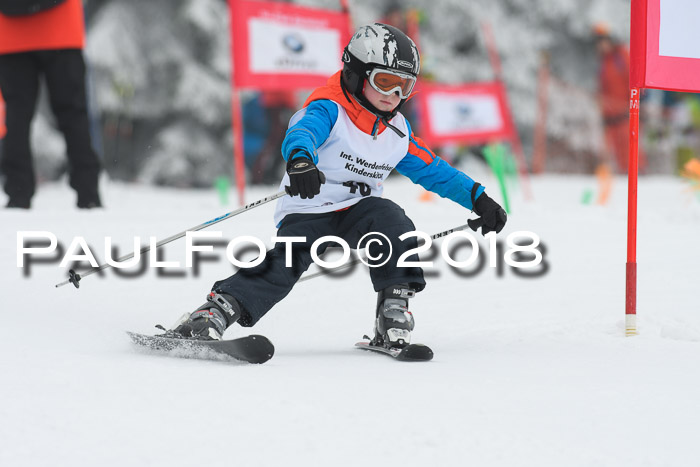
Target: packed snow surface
point(527, 371)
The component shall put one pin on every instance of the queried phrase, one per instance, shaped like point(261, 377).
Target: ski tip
point(263, 348)
point(416, 353)
point(251, 349)
point(410, 353)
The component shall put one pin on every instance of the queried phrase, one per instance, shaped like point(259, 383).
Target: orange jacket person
point(43, 39)
point(613, 96)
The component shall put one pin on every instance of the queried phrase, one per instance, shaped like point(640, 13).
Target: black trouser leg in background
point(19, 82)
point(65, 79)
point(259, 289)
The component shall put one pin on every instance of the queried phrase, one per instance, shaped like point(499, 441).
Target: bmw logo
point(464, 110)
point(293, 42)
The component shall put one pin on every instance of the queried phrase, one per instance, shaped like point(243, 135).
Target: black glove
point(305, 179)
point(493, 217)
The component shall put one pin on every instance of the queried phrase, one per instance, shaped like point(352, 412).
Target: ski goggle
point(388, 82)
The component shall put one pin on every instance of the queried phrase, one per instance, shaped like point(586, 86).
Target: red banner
point(278, 46)
point(3, 130)
point(665, 45)
point(473, 113)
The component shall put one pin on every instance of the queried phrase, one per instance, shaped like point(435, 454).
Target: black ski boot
point(394, 323)
point(209, 321)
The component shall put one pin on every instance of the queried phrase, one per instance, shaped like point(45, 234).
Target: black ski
point(410, 353)
point(251, 349)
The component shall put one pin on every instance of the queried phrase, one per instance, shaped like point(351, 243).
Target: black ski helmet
point(377, 45)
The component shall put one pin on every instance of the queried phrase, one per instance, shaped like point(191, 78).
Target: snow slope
point(527, 372)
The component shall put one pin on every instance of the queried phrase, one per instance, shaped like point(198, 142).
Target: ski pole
point(74, 278)
point(444, 233)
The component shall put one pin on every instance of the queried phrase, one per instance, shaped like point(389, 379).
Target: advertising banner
point(665, 45)
point(278, 46)
point(471, 113)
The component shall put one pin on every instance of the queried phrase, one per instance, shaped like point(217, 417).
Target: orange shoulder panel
point(418, 148)
point(361, 117)
point(61, 27)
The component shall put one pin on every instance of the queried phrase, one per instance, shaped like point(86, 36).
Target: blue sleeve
point(434, 174)
point(309, 128)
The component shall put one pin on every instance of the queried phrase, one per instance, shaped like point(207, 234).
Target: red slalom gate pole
point(631, 270)
point(540, 137)
point(238, 154)
point(345, 8)
point(515, 142)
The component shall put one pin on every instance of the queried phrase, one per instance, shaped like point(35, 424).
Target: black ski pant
point(64, 72)
point(259, 288)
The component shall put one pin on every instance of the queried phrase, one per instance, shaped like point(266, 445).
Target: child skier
point(339, 150)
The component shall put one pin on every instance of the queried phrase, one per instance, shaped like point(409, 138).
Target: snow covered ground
point(527, 372)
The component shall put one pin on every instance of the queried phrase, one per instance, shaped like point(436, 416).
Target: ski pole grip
point(74, 278)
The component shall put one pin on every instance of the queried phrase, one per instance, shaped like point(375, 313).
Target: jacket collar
point(360, 116)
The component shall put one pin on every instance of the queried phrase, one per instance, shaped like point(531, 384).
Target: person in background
point(279, 106)
point(44, 39)
point(395, 14)
point(265, 115)
point(613, 96)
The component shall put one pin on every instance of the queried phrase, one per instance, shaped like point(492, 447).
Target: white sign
point(452, 113)
point(281, 48)
point(679, 34)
